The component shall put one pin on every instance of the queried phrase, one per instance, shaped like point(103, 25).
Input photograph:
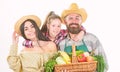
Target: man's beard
point(73, 30)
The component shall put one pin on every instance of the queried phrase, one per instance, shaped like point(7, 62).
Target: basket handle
point(74, 57)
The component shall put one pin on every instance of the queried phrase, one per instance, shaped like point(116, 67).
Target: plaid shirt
point(59, 37)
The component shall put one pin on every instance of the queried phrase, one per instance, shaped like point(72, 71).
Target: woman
point(30, 59)
point(52, 30)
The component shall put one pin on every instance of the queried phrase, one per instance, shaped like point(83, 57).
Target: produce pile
point(63, 58)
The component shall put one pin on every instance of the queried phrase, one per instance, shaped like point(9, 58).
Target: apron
point(82, 47)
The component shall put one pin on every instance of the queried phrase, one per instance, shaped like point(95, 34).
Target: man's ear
point(65, 22)
point(48, 26)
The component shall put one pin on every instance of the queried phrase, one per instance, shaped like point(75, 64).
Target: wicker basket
point(76, 66)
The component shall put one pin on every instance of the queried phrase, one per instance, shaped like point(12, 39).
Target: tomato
point(81, 58)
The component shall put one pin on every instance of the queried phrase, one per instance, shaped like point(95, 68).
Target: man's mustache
point(73, 24)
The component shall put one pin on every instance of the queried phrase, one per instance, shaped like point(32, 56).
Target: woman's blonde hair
point(49, 17)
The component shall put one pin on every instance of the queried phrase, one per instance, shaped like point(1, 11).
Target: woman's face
point(54, 27)
point(29, 30)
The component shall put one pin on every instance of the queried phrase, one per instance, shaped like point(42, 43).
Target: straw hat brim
point(81, 12)
point(22, 19)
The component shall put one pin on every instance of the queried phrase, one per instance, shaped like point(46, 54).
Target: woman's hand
point(15, 38)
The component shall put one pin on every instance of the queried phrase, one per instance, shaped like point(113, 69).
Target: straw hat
point(74, 9)
point(22, 19)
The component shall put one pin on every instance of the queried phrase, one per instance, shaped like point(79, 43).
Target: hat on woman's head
point(21, 20)
point(74, 9)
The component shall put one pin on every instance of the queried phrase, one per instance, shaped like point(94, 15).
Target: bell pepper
point(81, 58)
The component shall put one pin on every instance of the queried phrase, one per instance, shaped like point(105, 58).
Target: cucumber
point(100, 63)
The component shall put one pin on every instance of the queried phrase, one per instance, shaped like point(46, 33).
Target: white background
point(103, 20)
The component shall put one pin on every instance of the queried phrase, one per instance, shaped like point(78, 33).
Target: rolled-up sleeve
point(13, 59)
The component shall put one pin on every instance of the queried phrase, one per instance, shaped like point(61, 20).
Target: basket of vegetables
point(77, 61)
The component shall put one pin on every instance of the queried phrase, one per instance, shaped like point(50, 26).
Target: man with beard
point(73, 18)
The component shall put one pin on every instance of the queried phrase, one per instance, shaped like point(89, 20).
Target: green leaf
point(49, 66)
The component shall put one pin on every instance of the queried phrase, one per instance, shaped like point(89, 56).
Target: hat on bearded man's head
point(75, 9)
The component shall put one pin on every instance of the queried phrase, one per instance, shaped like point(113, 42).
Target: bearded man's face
point(73, 23)
point(73, 28)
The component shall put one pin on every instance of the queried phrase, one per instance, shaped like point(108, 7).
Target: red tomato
point(81, 58)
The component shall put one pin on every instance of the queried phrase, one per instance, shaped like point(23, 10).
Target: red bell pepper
point(81, 58)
